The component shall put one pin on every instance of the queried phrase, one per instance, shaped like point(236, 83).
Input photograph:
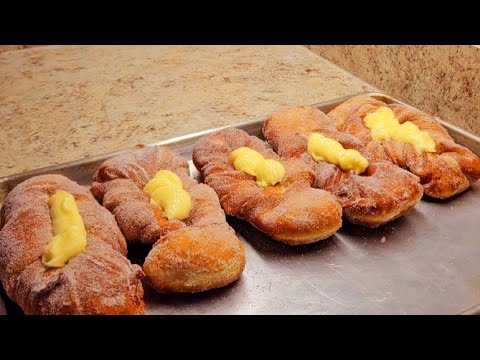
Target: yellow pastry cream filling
point(70, 236)
point(385, 126)
point(322, 148)
point(166, 190)
point(266, 171)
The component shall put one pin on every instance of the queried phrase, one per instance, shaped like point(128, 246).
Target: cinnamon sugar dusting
point(195, 258)
point(91, 282)
point(377, 196)
point(190, 247)
point(291, 207)
point(443, 174)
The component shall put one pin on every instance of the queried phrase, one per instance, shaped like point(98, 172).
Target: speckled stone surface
point(4, 48)
point(61, 103)
point(443, 80)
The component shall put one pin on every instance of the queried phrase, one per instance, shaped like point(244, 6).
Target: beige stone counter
point(443, 80)
point(60, 103)
point(4, 48)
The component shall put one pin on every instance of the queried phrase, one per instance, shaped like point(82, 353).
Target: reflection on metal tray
point(425, 262)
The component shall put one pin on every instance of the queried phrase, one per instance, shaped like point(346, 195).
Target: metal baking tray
point(427, 262)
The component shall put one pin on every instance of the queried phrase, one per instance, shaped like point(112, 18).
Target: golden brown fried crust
point(291, 212)
point(449, 171)
point(118, 185)
point(195, 258)
point(383, 193)
point(100, 280)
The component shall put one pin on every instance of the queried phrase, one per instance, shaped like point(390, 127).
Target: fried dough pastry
point(448, 171)
point(196, 254)
point(382, 193)
point(99, 280)
point(291, 212)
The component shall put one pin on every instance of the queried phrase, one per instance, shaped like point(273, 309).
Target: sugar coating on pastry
point(119, 185)
point(450, 170)
point(100, 280)
point(380, 194)
point(291, 211)
point(206, 256)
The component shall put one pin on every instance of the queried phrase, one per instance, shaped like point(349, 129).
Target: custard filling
point(70, 236)
point(385, 126)
point(322, 148)
point(267, 172)
point(166, 190)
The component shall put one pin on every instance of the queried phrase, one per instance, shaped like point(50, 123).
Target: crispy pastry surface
point(381, 194)
point(449, 171)
point(100, 280)
point(291, 211)
point(199, 253)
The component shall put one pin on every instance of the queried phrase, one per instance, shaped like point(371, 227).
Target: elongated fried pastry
point(449, 170)
point(291, 211)
point(196, 254)
point(380, 194)
point(99, 280)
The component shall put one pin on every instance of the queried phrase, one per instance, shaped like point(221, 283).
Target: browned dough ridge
point(449, 171)
point(291, 212)
point(100, 280)
point(383, 193)
point(199, 253)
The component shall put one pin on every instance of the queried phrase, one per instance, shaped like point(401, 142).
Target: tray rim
point(104, 156)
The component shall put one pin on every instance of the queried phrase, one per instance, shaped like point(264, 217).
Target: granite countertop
point(62, 103)
point(443, 80)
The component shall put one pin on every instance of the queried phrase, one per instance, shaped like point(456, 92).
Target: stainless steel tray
point(427, 262)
